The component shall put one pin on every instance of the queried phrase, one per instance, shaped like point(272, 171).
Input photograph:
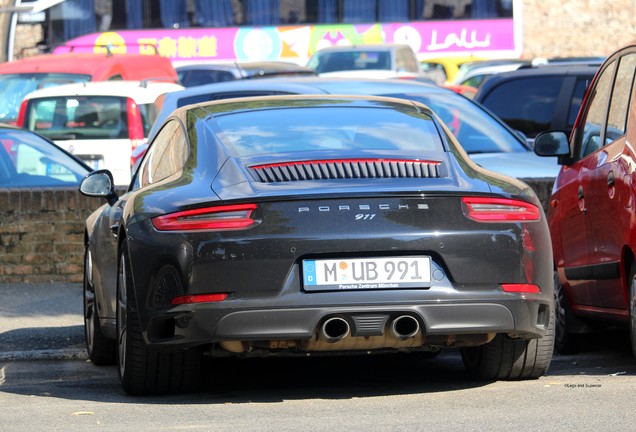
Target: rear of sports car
point(339, 237)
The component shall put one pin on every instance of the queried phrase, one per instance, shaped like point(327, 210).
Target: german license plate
point(367, 273)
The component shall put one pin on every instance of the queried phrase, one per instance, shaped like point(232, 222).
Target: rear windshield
point(14, 87)
point(327, 128)
point(84, 117)
point(351, 60)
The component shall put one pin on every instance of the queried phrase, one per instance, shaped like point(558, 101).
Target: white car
point(99, 122)
point(367, 61)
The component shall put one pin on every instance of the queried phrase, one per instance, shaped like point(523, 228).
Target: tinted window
point(596, 112)
point(288, 130)
point(475, 81)
point(621, 94)
point(27, 160)
point(78, 117)
point(353, 60)
point(166, 156)
point(191, 78)
point(577, 98)
point(525, 104)
point(405, 61)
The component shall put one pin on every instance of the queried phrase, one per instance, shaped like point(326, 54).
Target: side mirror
point(99, 184)
point(553, 143)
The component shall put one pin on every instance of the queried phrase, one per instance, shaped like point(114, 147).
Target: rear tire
point(141, 370)
point(510, 359)
point(100, 349)
point(632, 307)
point(564, 341)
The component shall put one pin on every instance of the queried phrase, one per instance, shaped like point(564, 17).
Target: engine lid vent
point(347, 169)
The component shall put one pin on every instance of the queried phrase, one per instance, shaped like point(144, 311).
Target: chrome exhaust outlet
point(334, 329)
point(405, 326)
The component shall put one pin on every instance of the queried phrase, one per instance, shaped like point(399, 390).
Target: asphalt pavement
point(41, 321)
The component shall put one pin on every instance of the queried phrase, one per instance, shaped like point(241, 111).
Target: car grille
point(346, 169)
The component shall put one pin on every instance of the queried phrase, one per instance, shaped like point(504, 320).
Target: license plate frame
point(368, 273)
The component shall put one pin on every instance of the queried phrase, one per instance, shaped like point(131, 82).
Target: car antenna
point(240, 69)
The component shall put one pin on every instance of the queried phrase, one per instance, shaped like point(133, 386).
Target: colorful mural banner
point(298, 43)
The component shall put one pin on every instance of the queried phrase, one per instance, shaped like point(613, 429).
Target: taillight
point(230, 217)
point(22, 113)
point(199, 298)
point(135, 124)
point(483, 209)
point(521, 288)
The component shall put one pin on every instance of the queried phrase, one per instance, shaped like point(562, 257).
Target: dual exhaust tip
point(337, 328)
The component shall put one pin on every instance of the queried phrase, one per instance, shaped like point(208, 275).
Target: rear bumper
point(439, 324)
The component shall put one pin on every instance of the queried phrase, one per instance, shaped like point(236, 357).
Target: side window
point(621, 95)
point(526, 104)
point(405, 61)
point(596, 112)
point(577, 98)
point(174, 158)
point(166, 155)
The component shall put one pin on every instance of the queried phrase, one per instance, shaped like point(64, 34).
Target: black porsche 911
point(330, 224)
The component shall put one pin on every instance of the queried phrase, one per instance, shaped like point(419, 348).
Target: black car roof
point(539, 71)
point(302, 101)
point(251, 68)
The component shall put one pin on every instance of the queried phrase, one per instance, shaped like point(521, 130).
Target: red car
point(592, 210)
point(21, 77)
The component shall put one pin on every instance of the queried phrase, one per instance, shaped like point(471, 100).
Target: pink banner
point(297, 43)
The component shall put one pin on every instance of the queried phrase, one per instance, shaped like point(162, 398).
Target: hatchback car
point(100, 122)
point(28, 160)
point(486, 139)
point(591, 215)
point(537, 99)
point(18, 78)
point(367, 61)
point(191, 75)
point(291, 225)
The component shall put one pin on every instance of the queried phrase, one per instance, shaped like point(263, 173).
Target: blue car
point(28, 160)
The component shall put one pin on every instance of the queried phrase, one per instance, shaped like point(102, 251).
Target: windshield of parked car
point(350, 60)
point(27, 160)
point(475, 129)
point(327, 128)
point(14, 87)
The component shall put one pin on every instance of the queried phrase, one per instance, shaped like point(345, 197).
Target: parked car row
point(102, 123)
point(300, 215)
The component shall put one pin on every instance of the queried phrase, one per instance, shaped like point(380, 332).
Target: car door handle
point(581, 196)
point(580, 193)
point(610, 179)
point(114, 229)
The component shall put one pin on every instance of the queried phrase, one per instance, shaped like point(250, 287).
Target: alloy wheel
point(122, 305)
point(632, 312)
point(89, 302)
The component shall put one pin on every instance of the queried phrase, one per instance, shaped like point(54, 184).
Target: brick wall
point(42, 232)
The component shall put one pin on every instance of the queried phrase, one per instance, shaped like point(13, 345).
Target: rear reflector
point(521, 288)
point(230, 217)
point(136, 133)
point(199, 298)
point(482, 209)
point(22, 114)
